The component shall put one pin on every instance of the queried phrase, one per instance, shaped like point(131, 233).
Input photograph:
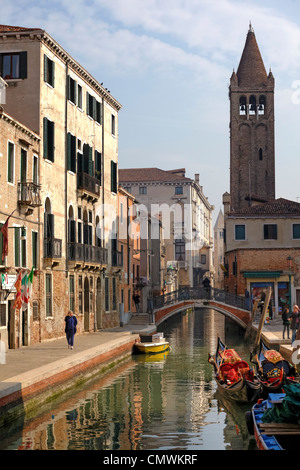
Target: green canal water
point(159, 403)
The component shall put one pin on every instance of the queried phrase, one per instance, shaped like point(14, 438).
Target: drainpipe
point(66, 171)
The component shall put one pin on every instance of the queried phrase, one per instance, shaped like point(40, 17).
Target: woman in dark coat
point(294, 322)
point(70, 329)
point(286, 323)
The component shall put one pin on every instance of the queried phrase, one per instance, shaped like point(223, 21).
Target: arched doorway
point(98, 304)
point(86, 304)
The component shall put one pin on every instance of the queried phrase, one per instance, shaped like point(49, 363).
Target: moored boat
point(235, 379)
point(274, 421)
point(158, 345)
point(272, 370)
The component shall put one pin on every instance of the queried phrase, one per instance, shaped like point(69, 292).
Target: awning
point(262, 274)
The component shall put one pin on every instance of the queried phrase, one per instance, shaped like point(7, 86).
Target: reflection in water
point(162, 403)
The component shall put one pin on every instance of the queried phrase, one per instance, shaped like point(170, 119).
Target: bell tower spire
point(252, 158)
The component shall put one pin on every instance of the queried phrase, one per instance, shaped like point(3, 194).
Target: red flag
point(4, 230)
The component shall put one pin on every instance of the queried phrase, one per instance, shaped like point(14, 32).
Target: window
point(98, 156)
point(48, 71)
point(203, 259)
point(113, 124)
point(262, 105)
point(79, 97)
point(180, 250)
point(72, 89)
point(260, 154)
point(71, 152)
point(113, 167)
point(10, 162)
point(13, 65)
point(296, 231)
point(252, 105)
point(178, 190)
point(106, 294)
point(114, 294)
point(48, 134)
point(35, 170)
point(48, 281)
point(142, 190)
point(3, 314)
point(80, 295)
point(71, 293)
point(34, 249)
point(35, 310)
point(98, 112)
point(240, 232)
point(243, 105)
point(270, 232)
point(20, 247)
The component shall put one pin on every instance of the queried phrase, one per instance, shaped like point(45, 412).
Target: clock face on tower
point(252, 157)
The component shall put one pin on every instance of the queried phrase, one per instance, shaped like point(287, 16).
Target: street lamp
point(290, 261)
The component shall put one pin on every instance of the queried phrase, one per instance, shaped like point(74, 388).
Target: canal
point(162, 403)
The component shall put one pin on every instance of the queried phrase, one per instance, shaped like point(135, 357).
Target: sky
point(169, 63)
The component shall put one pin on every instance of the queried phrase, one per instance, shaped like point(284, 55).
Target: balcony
point(80, 253)
point(88, 186)
point(29, 195)
point(52, 251)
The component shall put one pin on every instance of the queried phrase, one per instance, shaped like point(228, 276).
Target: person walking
point(294, 322)
point(136, 299)
point(70, 329)
point(286, 323)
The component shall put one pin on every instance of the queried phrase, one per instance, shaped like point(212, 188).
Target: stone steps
point(140, 319)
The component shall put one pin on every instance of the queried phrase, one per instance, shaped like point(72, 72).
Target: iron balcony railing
point(87, 253)
point(52, 248)
point(88, 183)
point(29, 194)
point(201, 293)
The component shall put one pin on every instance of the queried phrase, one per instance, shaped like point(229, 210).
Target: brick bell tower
point(252, 157)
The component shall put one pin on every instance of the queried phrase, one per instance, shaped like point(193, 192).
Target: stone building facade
point(185, 215)
point(262, 249)
point(77, 121)
point(20, 198)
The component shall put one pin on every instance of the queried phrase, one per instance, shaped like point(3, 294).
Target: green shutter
point(45, 67)
point(53, 73)
point(87, 104)
point(17, 246)
point(23, 64)
point(91, 163)
point(69, 151)
point(45, 137)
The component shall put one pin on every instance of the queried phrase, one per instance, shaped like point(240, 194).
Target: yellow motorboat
point(152, 348)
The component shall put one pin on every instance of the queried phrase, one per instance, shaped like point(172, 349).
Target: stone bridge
point(236, 307)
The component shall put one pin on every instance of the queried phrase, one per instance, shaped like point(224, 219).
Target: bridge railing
point(201, 293)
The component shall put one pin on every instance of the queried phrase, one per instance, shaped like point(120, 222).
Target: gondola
point(272, 370)
point(234, 377)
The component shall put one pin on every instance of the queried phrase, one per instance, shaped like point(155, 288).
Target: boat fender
point(249, 422)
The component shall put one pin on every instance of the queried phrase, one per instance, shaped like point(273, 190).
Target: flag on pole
point(4, 230)
point(18, 286)
point(30, 282)
point(24, 290)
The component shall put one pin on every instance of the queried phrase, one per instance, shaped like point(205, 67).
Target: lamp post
point(290, 260)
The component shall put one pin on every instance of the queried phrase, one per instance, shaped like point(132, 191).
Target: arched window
point(252, 105)
point(242, 106)
point(262, 105)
